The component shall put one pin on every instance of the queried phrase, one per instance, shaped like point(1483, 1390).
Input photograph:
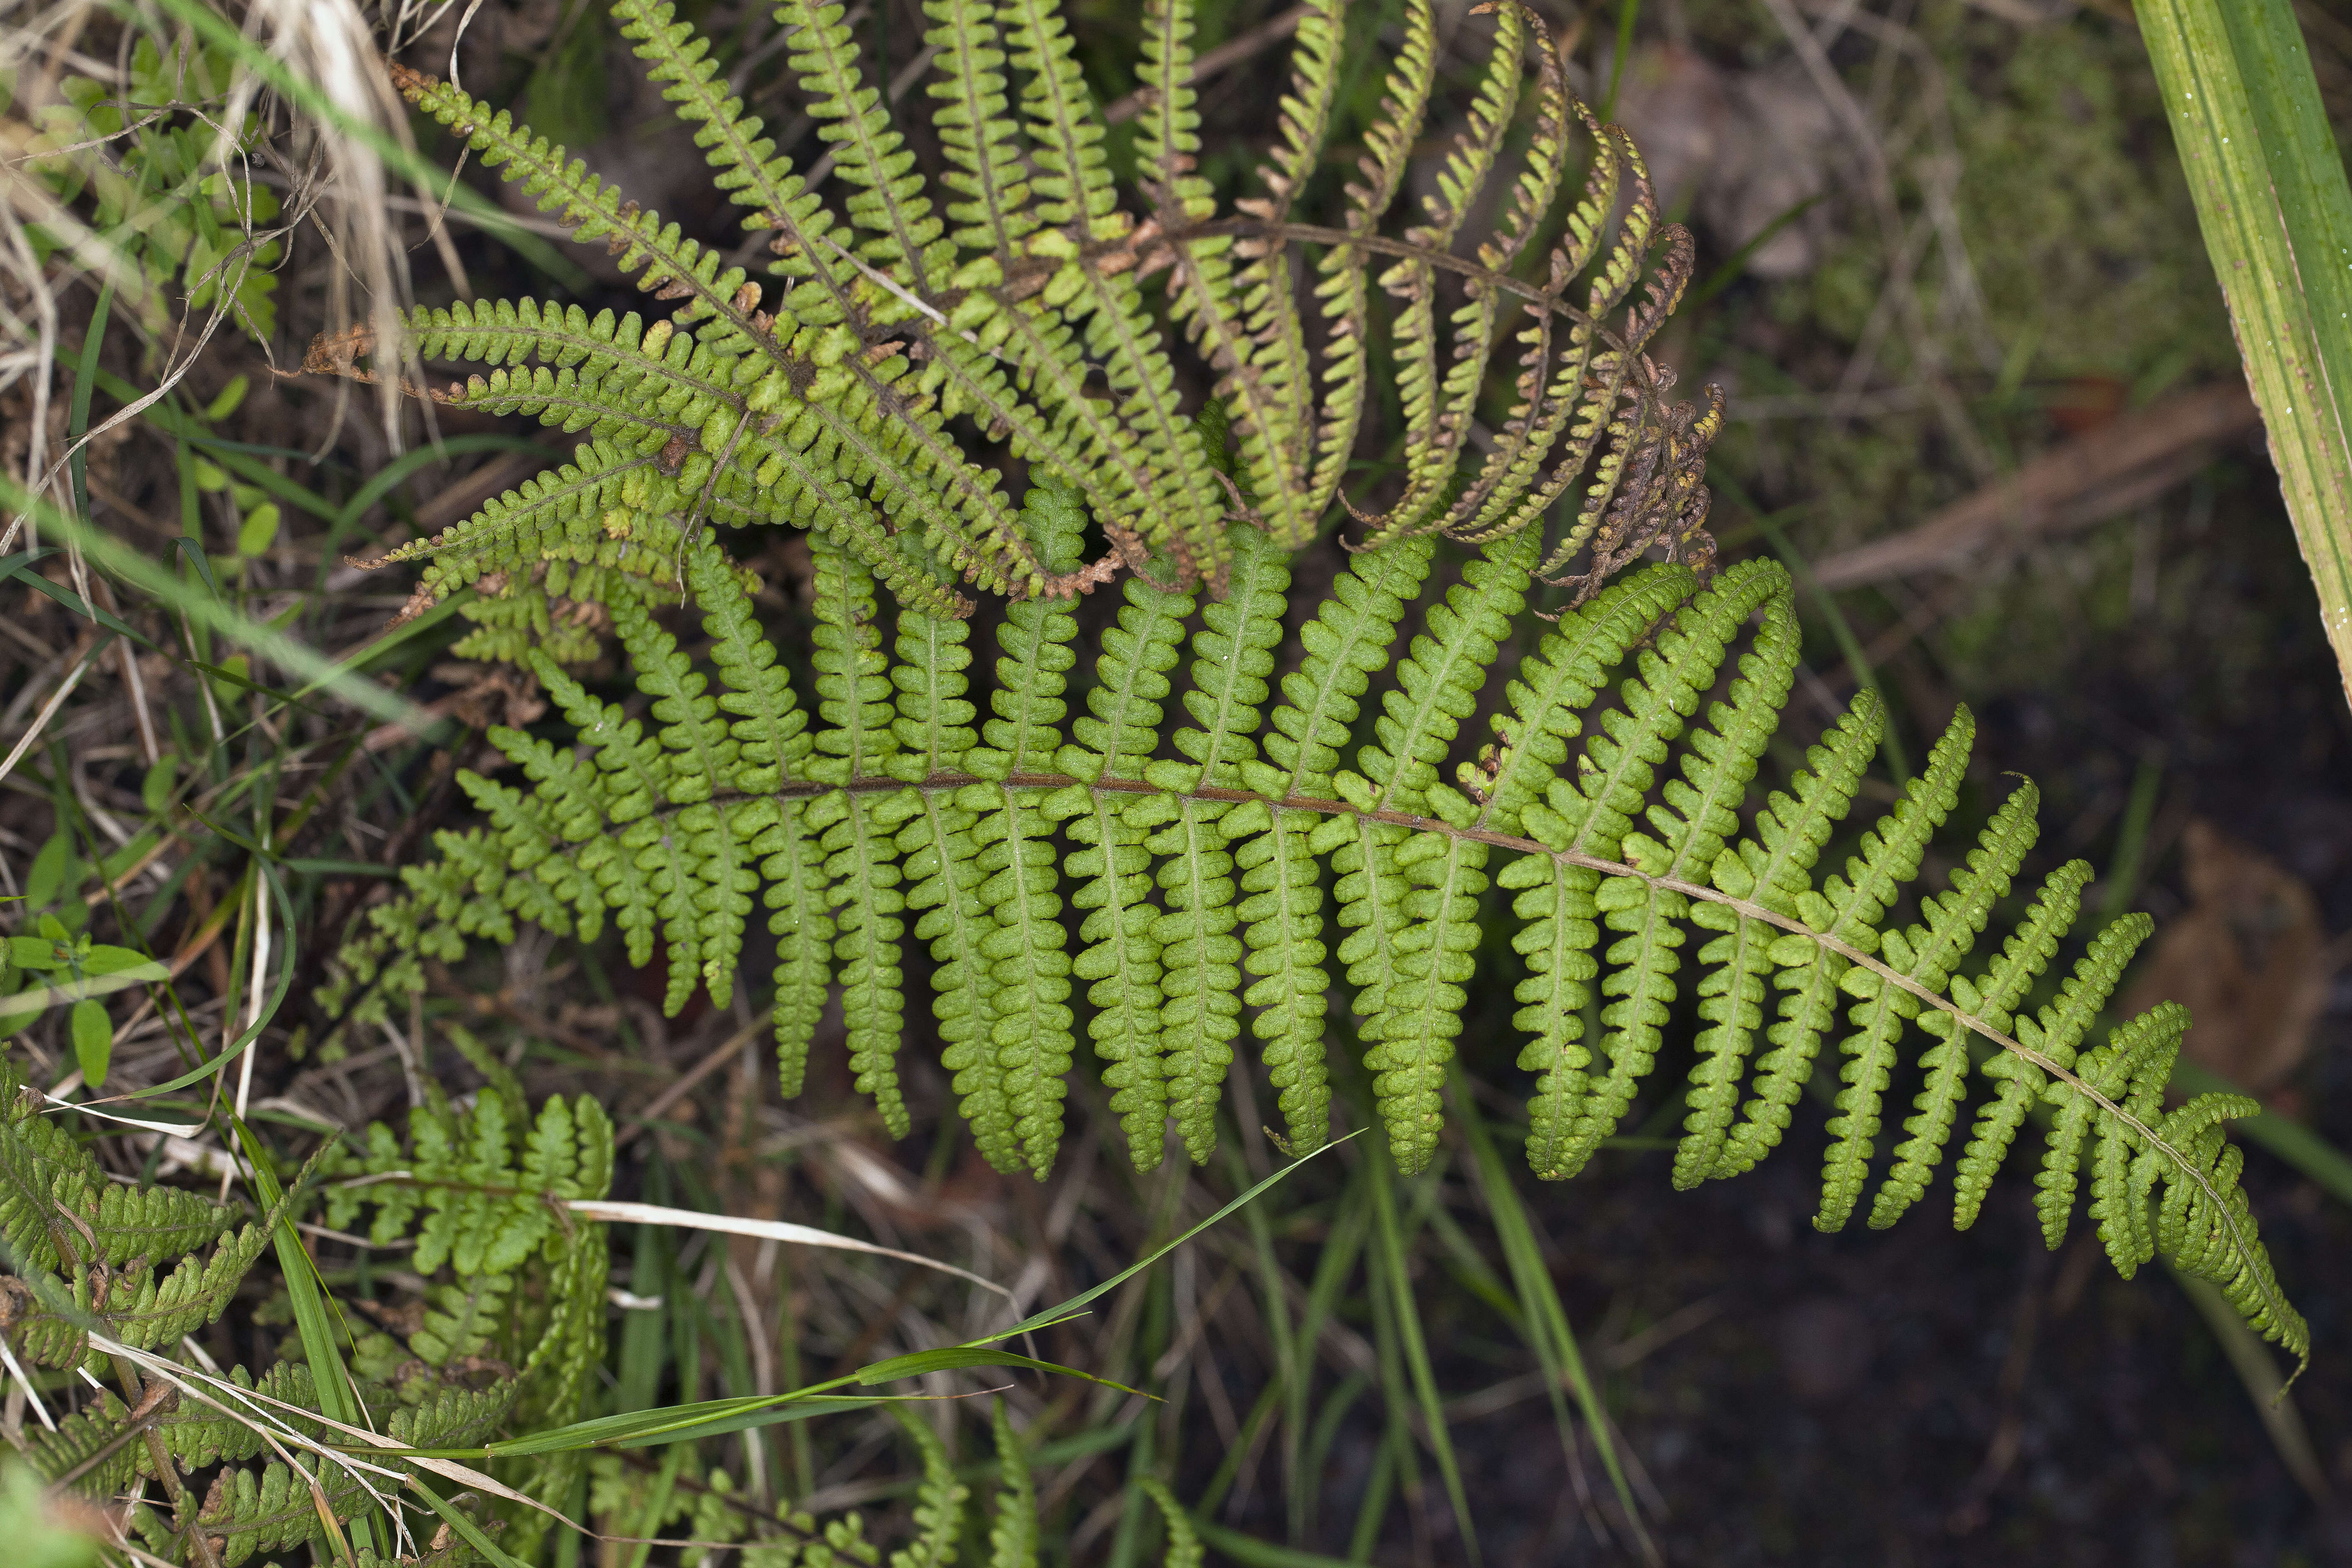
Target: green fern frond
point(1184, 1548)
point(473, 1187)
point(909, 327)
point(277, 1507)
point(90, 1257)
point(1188, 819)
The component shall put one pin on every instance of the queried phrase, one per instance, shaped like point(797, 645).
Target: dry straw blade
point(2277, 218)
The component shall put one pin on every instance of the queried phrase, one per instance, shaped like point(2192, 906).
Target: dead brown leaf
point(2249, 961)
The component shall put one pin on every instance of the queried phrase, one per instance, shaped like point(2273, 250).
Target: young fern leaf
point(1012, 1525)
point(508, 1341)
point(938, 1499)
point(1193, 817)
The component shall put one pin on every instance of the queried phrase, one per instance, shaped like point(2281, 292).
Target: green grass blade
point(1063, 1309)
point(1317, 1452)
point(2250, 1360)
point(1343, 1245)
point(955, 1357)
point(1548, 1327)
point(1292, 1372)
point(2276, 213)
point(313, 1317)
point(715, 1417)
point(656, 1505)
point(1252, 1552)
point(1390, 1260)
point(78, 417)
point(670, 1424)
point(463, 1524)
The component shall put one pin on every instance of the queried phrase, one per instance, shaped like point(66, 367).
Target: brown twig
point(642, 1122)
point(2080, 481)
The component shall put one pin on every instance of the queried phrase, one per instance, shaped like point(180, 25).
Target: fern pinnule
point(1438, 407)
point(1697, 813)
point(1846, 909)
point(1415, 899)
point(1122, 952)
point(2052, 1035)
point(1771, 866)
point(1595, 817)
point(1029, 1043)
point(938, 1499)
point(1184, 1548)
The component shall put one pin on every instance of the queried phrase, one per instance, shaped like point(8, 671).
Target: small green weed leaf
point(258, 532)
point(104, 958)
point(34, 952)
point(93, 1039)
point(54, 871)
point(226, 401)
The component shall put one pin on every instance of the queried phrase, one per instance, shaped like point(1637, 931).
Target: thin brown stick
point(642, 1122)
point(1217, 61)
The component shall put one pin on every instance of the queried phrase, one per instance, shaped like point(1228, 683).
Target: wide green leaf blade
point(2276, 213)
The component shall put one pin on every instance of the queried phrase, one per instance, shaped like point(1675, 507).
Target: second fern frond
point(985, 309)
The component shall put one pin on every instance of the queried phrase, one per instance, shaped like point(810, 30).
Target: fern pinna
point(1097, 841)
point(985, 310)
